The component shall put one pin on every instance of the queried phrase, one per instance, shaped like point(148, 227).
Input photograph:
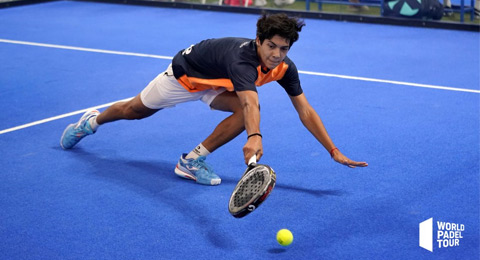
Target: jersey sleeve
point(290, 81)
point(243, 76)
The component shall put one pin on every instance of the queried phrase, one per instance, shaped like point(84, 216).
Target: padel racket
point(253, 188)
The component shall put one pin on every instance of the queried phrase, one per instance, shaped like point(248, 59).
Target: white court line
point(390, 82)
point(85, 49)
point(59, 117)
point(56, 46)
point(300, 71)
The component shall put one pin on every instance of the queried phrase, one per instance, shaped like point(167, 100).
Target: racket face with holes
point(252, 189)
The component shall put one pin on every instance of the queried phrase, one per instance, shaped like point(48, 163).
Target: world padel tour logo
point(447, 234)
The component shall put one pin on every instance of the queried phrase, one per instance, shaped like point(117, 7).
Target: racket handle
point(253, 160)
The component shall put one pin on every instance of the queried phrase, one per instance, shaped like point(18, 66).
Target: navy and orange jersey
point(231, 63)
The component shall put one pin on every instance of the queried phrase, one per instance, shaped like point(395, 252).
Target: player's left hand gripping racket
point(253, 188)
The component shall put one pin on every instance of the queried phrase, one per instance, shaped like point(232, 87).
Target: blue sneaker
point(76, 131)
point(197, 170)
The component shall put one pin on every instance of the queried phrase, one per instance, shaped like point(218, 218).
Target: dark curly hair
point(279, 24)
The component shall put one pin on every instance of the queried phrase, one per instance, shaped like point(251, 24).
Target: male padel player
point(224, 73)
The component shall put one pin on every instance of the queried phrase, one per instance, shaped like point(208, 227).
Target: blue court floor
point(406, 100)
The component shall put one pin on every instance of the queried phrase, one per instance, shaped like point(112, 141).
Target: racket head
point(252, 189)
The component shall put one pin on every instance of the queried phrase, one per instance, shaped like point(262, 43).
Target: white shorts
point(165, 91)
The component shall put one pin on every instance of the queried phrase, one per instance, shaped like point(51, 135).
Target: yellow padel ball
point(284, 237)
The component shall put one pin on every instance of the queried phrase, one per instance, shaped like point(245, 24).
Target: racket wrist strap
point(333, 150)
point(254, 134)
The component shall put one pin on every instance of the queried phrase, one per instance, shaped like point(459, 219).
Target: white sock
point(93, 123)
point(200, 150)
point(477, 4)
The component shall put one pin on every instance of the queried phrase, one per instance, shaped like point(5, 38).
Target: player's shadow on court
point(155, 180)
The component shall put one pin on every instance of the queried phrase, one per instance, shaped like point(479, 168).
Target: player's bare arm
point(251, 114)
point(314, 124)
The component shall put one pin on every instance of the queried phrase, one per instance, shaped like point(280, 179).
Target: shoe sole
point(188, 176)
point(215, 182)
point(183, 174)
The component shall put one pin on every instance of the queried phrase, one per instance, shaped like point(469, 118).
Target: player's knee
point(238, 112)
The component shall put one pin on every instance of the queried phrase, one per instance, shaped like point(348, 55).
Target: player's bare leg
point(130, 110)
point(231, 126)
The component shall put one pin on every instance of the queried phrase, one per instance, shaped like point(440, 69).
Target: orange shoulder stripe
point(273, 75)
